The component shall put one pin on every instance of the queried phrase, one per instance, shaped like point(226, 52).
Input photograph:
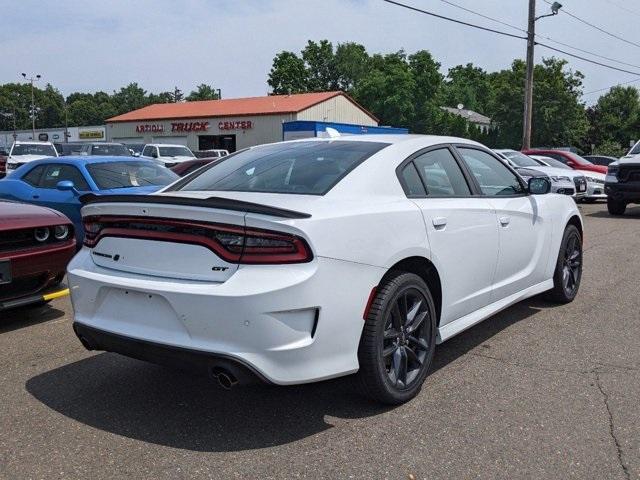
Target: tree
point(351, 63)
point(321, 74)
point(469, 86)
point(288, 74)
point(615, 119)
point(203, 92)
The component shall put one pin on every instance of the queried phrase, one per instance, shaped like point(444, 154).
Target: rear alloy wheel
point(568, 273)
point(616, 207)
point(398, 339)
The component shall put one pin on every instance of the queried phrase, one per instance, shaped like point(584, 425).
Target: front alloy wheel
point(398, 339)
point(568, 273)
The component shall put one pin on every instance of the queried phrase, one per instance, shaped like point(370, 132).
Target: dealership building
point(237, 123)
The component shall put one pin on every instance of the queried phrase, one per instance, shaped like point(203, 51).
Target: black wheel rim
point(407, 332)
point(572, 265)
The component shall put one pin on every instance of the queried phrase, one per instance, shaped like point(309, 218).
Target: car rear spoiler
point(211, 202)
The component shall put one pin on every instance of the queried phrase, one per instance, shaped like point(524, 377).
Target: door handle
point(439, 222)
point(36, 196)
point(504, 221)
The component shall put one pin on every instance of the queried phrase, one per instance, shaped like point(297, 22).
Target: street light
point(33, 106)
point(528, 89)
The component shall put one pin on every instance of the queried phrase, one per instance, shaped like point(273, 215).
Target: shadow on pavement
point(632, 212)
point(18, 318)
point(167, 407)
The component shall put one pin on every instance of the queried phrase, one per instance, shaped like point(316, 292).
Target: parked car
point(59, 182)
point(69, 148)
point(595, 180)
point(185, 168)
point(267, 265)
point(622, 184)
point(563, 181)
point(213, 153)
point(135, 148)
point(36, 245)
point(105, 149)
point(3, 163)
point(570, 159)
point(170, 155)
point(600, 159)
point(25, 152)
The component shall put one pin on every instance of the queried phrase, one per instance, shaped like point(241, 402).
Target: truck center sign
point(237, 125)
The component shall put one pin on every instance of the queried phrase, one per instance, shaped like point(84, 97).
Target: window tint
point(491, 174)
point(411, 181)
point(175, 152)
point(33, 177)
point(308, 168)
point(441, 174)
point(147, 151)
point(126, 174)
point(57, 172)
point(110, 149)
point(556, 156)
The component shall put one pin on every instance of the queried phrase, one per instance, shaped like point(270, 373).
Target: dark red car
point(185, 168)
point(36, 244)
point(570, 159)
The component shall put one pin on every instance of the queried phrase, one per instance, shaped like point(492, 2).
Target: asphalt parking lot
point(538, 391)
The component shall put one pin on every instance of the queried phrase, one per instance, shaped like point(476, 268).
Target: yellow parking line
point(51, 296)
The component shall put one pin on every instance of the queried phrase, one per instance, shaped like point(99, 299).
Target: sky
point(230, 44)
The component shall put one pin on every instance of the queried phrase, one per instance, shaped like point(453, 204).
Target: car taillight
point(232, 243)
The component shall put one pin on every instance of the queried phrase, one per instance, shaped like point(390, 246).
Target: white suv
point(170, 155)
point(24, 152)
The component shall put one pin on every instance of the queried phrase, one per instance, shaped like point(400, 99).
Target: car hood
point(598, 175)
point(628, 160)
point(27, 158)
point(559, 172)
point(131, 190)
point(22, 215)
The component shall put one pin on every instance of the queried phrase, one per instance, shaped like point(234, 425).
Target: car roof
point(165, 145)
point(89, 159)
point(393, 139)
point(31, 142)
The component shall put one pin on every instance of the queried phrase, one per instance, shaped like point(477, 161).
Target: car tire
point(616, 207)
point(568, 272)
point(398, 339)
point(589, 200)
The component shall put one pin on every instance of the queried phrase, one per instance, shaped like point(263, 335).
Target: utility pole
point(33, 104)
point(528, 86)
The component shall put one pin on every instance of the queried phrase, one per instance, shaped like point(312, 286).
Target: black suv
point(622, 184)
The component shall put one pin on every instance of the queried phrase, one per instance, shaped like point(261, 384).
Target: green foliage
point(203, 92)
point(614, 120)
point(610, 148)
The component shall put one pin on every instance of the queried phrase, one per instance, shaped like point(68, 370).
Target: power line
point(409, 7)
point(538, 35)
point(610, 87)
point(626, 9)
point(454, 20)
point(606, 32)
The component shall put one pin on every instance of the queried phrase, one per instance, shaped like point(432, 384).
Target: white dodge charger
point(300, 261)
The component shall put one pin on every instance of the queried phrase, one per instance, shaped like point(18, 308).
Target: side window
point(58, 172)
point(558, 157)
point(441, 174)
point(147, 151)
point(411, 181)
point(491, 174)
point(33, 177)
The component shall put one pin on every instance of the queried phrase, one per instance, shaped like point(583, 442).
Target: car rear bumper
point(287, 323)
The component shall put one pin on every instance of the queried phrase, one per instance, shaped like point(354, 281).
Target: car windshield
point(578, 159)
point(175, 152)
point(552, 162)
point(127, 174)
point(33, 149)
point(308, 168)
point(520, 159)
point(635, 150)
point(114, 149)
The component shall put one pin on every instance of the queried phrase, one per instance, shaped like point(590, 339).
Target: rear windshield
point(520, 159)
point(307, 168)
point(110, 149)
point(175, 152)
point(33, 149)
point(127, 174)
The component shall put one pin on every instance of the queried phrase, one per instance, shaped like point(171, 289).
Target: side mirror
point(539, 186)
point(67, 186)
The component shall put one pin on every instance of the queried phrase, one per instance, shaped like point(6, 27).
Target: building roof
point(469, 115)
point(269, 105)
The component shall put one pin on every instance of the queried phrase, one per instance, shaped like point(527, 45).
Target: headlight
point(561, 179)
point(41, 234)
point(595, 180)
point(61, 232)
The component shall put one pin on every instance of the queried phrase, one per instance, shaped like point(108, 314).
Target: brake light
point(234, 244)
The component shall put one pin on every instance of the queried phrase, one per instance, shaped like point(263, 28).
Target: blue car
point(59, 182)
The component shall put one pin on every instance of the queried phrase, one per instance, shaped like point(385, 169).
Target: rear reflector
point(234, 244)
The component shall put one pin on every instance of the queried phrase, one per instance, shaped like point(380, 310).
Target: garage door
point(171, 140)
